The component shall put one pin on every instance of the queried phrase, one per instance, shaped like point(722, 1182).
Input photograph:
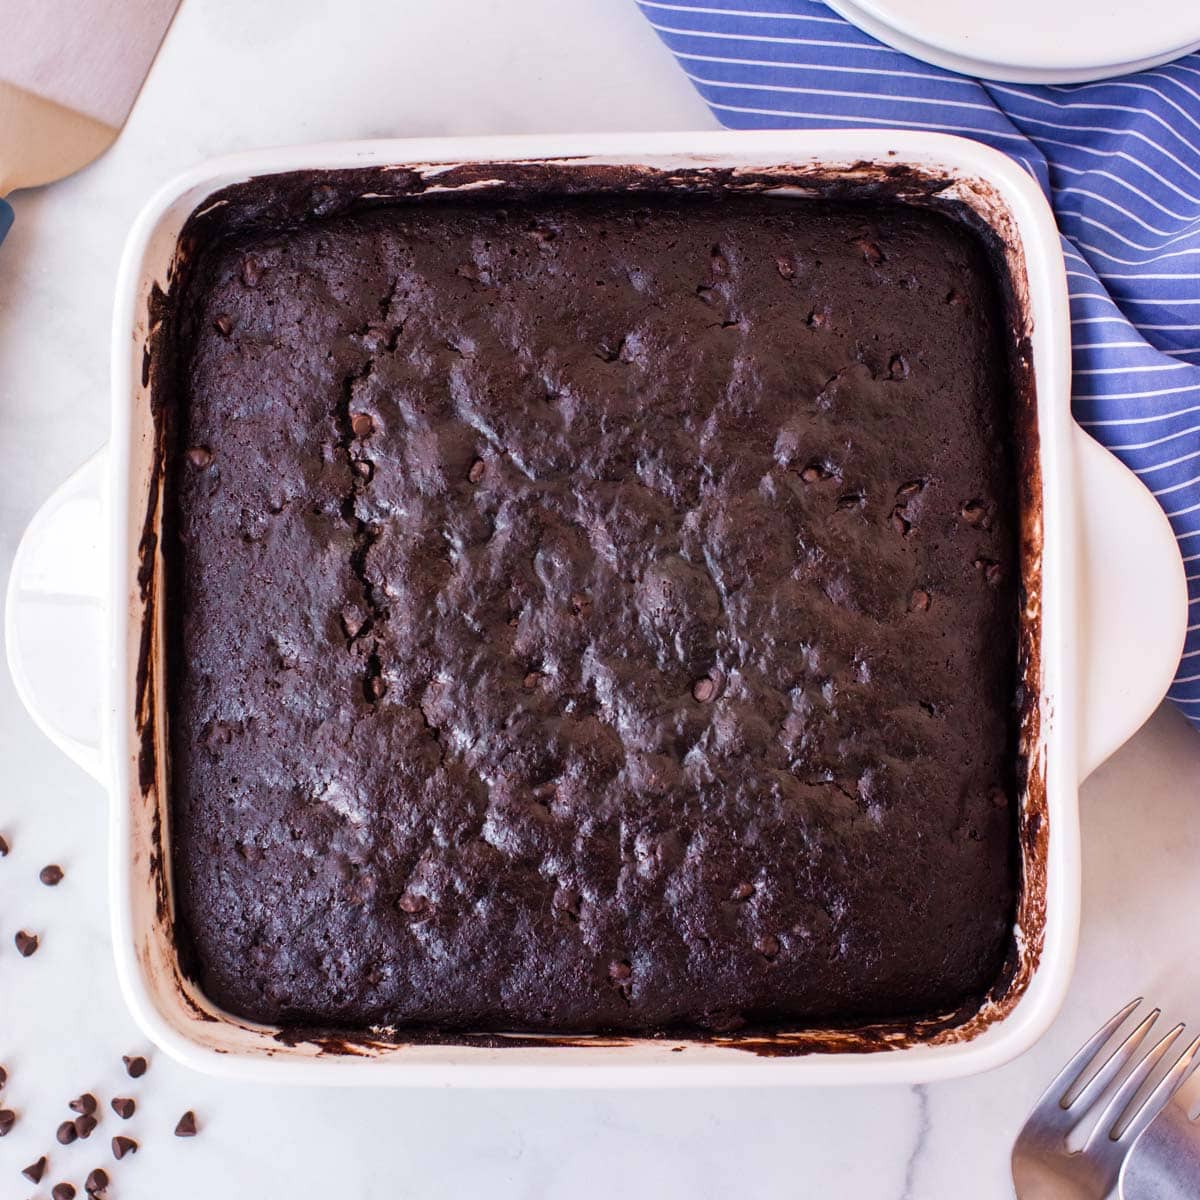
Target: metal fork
point(1164, 1163)
point(1043, 1166)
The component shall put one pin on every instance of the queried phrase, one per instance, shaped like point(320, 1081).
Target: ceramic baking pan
point(1104, 611)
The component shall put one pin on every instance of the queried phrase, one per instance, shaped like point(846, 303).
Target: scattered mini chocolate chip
point(8, 1119)
point(84, 1125)
point(223, 324)
point(251, 271)
point(531, 680)
point(96, 1182)
point(122, 1145)
point(26, 942)
point(918, 601)
point(870, 251)
point(66, 1133)
point(767, 946)
point(620, 972)
point(199, 457)
point(363, 469)
point(704, 689)
point(815, 473)
point(898, 367)
point(3, 847)
point(83, 1104)
point(475, 474)
point(186, 1126)
point(973, 512)
point(51, 875)
point(581, 604)
point(411, 903)
point(743, 891)
point(35, 1170)
point(63, 1191)
point(363, 424)
point(135, 1065)
point(124, 1107)
point(785, 267)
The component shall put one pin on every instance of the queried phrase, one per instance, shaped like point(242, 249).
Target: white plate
point(1033, 41)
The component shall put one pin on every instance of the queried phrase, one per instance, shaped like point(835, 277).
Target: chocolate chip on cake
point(363, 424)
point(870, 251)
point(919, 600)
point(135, 1065)
point(66, 1133)
point(704, 689)
point(363, 469)
point(223, 325)
point(51, 875)
point(815, 473)
point(186, 1126)
point(35, 1170)
point(973, 512)
point(767, 946)
point(531, 680)
point(743, 891)
point(122, 1145)
point(83, 1104)
point(8, 1119)
point(251, 271)
point(26, 942)
point(124, 1107)
point(199, 457)
point(785, 267)
point(475, 474)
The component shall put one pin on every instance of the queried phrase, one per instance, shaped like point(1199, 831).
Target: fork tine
point(1112, 1066)
point(1167, 1086)
point(1108, 1123)
point(1071, 1073)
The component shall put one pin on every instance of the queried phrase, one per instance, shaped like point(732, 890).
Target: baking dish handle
point(1133, 603)
point(54, 616)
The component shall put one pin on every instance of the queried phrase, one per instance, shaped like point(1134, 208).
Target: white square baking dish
point(1104, 621)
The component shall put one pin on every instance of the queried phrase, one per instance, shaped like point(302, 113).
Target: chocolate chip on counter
point(122, 1145)
point(63, 1191)
point(26, 942)
point(124, 1107)
point(186, 1126)
point(3, 847)
point(363, 469)
point(251, 271)
point(8, 1119)
point(223, 325)
point(3, 1077)
point(785, 267)
point(96, 1182)
point(704, 689)
point(135, 1065)
point(83, 1104)
point(66, 1133)
point(767, 946)
point(475, 474)
point(199, 457)
point(743, 891)
point(84, 1125)
point(35, 1170)
point(918, 601)
point(363, 424)
point(51, 875)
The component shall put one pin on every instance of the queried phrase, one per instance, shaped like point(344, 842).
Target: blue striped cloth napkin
point(1120, 160)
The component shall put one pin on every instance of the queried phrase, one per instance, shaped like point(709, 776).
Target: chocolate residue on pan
point(288, 201)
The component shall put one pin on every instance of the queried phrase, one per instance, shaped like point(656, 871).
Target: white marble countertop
point(238, 74)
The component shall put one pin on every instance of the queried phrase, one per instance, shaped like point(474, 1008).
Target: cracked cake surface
point(594, 614)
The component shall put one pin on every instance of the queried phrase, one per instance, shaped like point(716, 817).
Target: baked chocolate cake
point(593, 613)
